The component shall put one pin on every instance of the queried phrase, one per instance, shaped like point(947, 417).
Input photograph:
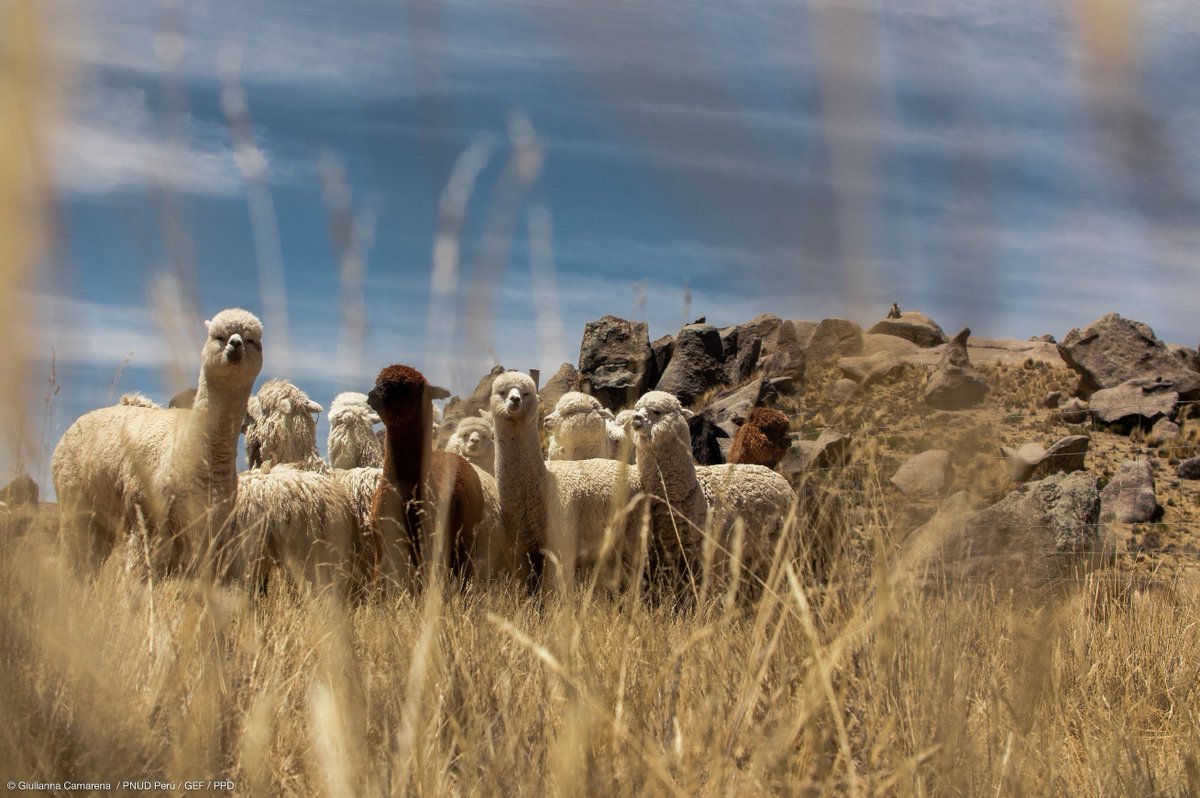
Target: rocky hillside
point(1085, 444)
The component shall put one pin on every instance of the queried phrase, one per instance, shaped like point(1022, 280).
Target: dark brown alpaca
point(762, 440)
point(428, 503)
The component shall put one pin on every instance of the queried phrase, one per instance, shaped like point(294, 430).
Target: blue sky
point(1021, 168)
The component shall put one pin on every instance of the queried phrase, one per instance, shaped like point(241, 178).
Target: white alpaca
point(175, 471)
point(281, 428)
point(620, 445)
point(290, 511)
point(560, 508)
point(353, 442)
point(695, 508)
point(473, 439)
point(579, 428)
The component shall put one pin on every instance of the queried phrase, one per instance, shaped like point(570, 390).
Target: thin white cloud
point(112, 142)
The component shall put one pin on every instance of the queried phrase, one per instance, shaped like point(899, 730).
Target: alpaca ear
point(606, 414)
point(286, 407)
point(687, 413)
point(719, 432)
point(313, 407)
point(208, 324)
point(434, 392)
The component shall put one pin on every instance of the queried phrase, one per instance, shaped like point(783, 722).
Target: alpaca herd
point(388, 512)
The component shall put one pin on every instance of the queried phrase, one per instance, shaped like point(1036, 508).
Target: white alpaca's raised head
point(579, 424)
point(233, 353)
point(514, 399)
point(660, 420)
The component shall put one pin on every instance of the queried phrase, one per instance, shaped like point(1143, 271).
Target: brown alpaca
point(762, 440)
point(428, 503)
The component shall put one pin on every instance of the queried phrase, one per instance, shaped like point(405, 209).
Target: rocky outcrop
point(955, 384)
point(1043, 533)
point(697, 365)
point(1113, 350)
point(1136, 401)
point(912, 326)
point(615, 361)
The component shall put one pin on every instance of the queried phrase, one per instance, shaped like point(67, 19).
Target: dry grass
point(857, 689)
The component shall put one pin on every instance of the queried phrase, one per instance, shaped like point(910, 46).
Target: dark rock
point(1129, 498)
point(1046, 338)
point(706, 437)
point(660, 351)
point(955, 384)
point(1135, 401)
point(912, 326)
point(1052, 400)
point(1039, 535)
point(615, 361)
point(740, 348)
point(924, 474)
point(697, 364)
point(1189, 468)
point(1113, 350)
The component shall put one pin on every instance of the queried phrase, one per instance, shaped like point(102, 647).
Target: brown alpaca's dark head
point(402, 393)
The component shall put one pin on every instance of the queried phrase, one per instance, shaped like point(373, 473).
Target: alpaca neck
point(519, 469)
point(673, 477)
point(215, 425)
point(406, 454)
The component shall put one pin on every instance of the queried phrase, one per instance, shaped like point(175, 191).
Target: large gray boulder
point(1113, 350)
point(912, 326)
point(829, 450)
point(661, 350)
point(955, 384)
point(615, 361)
point(1129, 497)
point(740, 348)
point(697, 365)
point(1135, 401)
point(834, 338)
point(1038, 535)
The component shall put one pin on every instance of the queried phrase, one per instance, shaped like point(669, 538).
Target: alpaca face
point(233, 353)
point(659, 420)
point(514, 399)
point(401, 393)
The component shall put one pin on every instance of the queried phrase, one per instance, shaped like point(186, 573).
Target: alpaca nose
point(638, 421)
point(514, 400)
point(373, 400)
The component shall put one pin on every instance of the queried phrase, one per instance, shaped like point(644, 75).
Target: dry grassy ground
point(867, 687)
